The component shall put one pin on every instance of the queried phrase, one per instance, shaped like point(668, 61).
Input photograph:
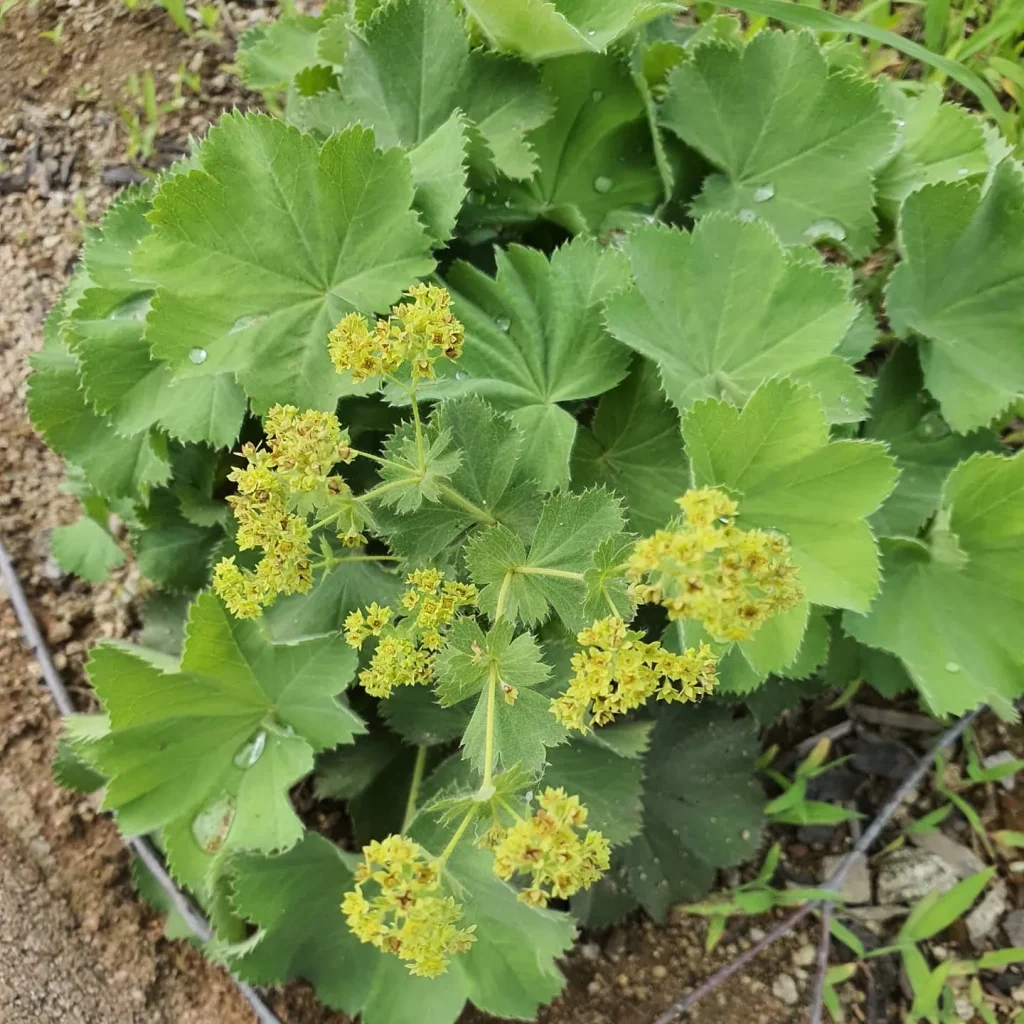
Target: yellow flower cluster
point(301, 450)
point(405, 912)
point(416, 332)
point(619, 671)
point(408, 642)
point(553, 847)
point(706, 568)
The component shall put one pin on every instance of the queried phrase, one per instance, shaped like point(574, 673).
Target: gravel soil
point(76, 945)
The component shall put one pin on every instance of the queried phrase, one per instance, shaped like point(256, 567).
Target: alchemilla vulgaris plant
point(539, 401)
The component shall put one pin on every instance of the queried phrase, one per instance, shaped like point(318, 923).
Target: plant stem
point(459, 833)
point(421, 458)
point(562, 574)
point(376, 492)
point(818, 991)
point(609, 602)
point(377, 458)
point(414, 787)
point(330, 563)
point(481, 514)
point(492, 690)
point(506, 583)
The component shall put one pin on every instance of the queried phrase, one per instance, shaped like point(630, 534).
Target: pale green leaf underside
point(250, 280)
point(776, 457)
point(725, 307)
point(952, 611)
point(796, 142)
point(85, 549)
point(961, 286)
point(541, 29)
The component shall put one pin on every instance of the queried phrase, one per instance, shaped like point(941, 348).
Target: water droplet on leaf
point(763, 193)
point(503, 323)
point(197, 355)
point(952, 666)
point(597, 95)
point(603, 185)
point(211, 825)
point(825, 228)
point(252, 751)
point(746, 216)
point(244, 322)
point(962, 172)
point(900, 123)
point(932, 427)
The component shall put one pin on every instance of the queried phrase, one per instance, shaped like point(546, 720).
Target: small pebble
point(784, 989)
point(805, 956)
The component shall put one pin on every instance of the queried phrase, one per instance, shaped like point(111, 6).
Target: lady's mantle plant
point(525, 379)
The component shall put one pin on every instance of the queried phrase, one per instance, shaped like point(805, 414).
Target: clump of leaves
point(632, 254)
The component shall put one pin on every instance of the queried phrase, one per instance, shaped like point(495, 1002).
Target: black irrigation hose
point(139, 845)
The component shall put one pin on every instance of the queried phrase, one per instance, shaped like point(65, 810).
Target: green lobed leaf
point(961, 286)
point(702, 806)
point(209, 751)
point(937, 142)
point(270, 56)
point(250, 283)
point(796, 142)
point(294, 899)
point(775, 456)
point(542, 29)
point(439, 173)
point(725, 307)
point(413, 713)
point(535, 338)
point(634, 446)
point(594, 156)
point(73, 766)
point(950, 607)
point(171, 550)
point(908, 420)
point(86, 549)
point(114, 466)
point(488, 477)
point(609, 785)
point(532, 580)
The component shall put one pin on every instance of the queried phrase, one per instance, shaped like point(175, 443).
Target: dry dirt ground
point(76, 945)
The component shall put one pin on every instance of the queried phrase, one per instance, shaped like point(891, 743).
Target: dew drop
point(503, 323)
point(962, 172)
point(900, 123)
point(249, 754)
point(597, 95)
point(603, 185)
point(825, 228)
point(952, 666)
point(746, 216)
point(931, 427)
point(245, 322)
point(591, 31)
point(763, 193)
point(197, 355)
point(211, 825)
point(459, 375)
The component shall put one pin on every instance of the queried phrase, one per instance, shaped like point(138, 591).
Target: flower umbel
point(276, 488)
point(619, 671)
point(397, 905)
point(408, 640)
point(417, 333)
point(705, 567)
point(554, 848)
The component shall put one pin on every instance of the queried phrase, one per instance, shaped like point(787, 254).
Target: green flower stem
point(536, 570)
point(391, 485)
point(453, 496)
point(492, 690)
point(506, 583)
point(459, 833)
point(376, 458)
point(608, 601)
point(414, 787)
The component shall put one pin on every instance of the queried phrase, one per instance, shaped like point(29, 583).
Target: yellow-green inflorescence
point(409, 639)
point(398, 906)
point(277, 486)
point(553, 849)
point(704, 567)
point(416, 334)
point(618, 671)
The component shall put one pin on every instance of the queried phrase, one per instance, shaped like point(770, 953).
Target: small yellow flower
point(405, 913)
point(554, 848)
point(417, 333)
point(619, 671)
point(706, 568)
